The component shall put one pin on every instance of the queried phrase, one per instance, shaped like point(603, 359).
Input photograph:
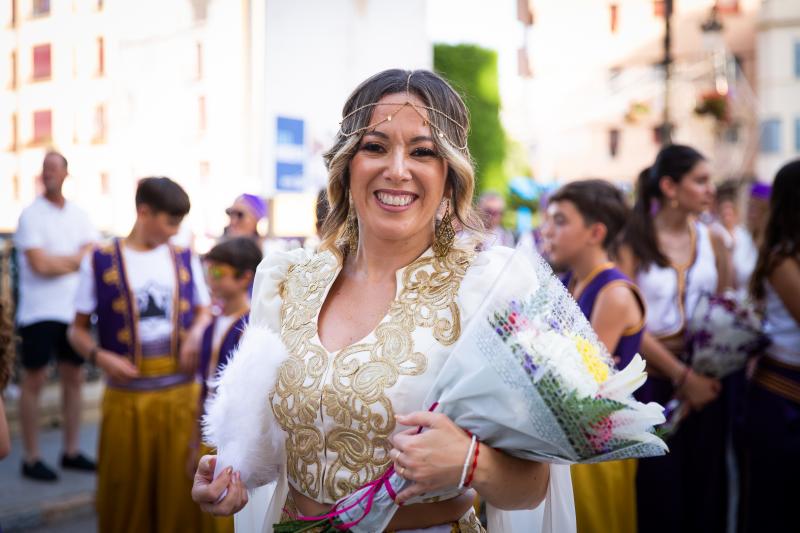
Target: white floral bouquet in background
point(527, 376)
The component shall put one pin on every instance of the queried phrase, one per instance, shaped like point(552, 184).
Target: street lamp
point(666, 125)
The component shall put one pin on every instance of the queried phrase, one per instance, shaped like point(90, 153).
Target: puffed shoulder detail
point(481, 275)
point(265, 307)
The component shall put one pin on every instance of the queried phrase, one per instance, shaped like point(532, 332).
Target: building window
point(770, 136)
point(42, 126)
point(199, 59)
point(15, 188)
point(41, 62)
point(729, 7)
point(41, 8)
point(13, 70)
point(797, 59)
point(613, 142)
point(613, 12)
point(660, 7)
point(201, 113)
point(14, 132)
point(99, 124)
point(105, 185)
point(101, 56)
point(797, 135)
point(524, 12)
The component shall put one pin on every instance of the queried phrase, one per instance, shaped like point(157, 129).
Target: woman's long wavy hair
point(673, 162)
point(782, 232)
point(434, 92)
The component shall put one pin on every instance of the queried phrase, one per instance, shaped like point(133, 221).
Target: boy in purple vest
point(230, 269)
point(585, 219)
point(151, 306)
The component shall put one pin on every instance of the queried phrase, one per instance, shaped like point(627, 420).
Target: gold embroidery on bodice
point(333, 406)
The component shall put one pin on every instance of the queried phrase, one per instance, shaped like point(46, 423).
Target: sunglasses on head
point(235, 213)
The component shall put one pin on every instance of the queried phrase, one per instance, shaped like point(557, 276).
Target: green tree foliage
point(472, 70)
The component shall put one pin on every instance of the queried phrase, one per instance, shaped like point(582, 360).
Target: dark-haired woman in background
point(674, 259)
point(772, 423)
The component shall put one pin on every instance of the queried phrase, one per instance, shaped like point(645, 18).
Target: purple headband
point(760, 190)
point(255, 204)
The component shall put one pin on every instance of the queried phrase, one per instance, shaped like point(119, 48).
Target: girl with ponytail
point(674, 259)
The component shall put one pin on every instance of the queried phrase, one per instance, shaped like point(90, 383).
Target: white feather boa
point(239, 421)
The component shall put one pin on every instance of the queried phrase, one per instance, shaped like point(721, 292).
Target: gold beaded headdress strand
point(417, 108)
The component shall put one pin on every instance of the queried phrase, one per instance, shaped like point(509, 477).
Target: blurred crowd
point(159, 321)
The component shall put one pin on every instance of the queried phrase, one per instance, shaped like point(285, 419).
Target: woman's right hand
point(206, 490)
point(698, 390)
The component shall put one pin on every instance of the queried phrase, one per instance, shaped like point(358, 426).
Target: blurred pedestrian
point(674, 260)
point(772, 422)
point(52, 237)
point(737, 239)
point(758, 210)
point(230, 270)
point(6, 362)
point(491, 207)
point(585, 221)
point(151, 305)
point(245, 215)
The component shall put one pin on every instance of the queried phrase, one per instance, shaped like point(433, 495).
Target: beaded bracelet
point(467, 462)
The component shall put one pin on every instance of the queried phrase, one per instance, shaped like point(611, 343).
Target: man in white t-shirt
point(52, 237)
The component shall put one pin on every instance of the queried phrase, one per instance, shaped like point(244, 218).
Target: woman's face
point(695, 192)
point(397, 179)
point(242, 222)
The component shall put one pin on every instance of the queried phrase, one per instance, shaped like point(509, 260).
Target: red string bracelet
point(474, 464)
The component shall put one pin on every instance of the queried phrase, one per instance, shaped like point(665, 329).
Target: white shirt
point(781, 328)
point(56, 231)
point(669, 308)
point(151, 275)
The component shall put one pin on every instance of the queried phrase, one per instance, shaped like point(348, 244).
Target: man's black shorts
point(41, 341)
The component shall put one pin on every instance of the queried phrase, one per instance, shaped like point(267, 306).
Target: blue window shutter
point(771, 136)
point(797, 135)
point(797, 59)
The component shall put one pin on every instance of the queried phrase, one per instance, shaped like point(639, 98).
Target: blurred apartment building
point(590, 98)
point(224, 96)
point(778, 84)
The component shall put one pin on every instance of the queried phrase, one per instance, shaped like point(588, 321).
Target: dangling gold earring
point(673, 203)
point(444, 235)
point(351, 231)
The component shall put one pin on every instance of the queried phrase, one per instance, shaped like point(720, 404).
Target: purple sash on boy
point(212, 360)
point(117, 313)
point(629, 342)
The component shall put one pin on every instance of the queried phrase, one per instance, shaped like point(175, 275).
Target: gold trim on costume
point(348, 388)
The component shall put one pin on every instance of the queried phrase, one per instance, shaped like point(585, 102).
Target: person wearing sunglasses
point(244, 216)
point(491, 206)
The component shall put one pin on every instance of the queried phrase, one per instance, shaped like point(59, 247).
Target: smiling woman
point(369, 322)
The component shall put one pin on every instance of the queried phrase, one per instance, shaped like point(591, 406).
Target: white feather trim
point(239, 420)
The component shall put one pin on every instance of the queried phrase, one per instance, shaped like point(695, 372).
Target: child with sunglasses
point(230, 268)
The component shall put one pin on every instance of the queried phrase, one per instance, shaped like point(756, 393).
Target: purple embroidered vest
point(116, 306)
point(629, 342)
point(211, 360)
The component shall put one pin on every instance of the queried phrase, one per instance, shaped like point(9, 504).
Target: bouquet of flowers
point(527, 376)
point(722, 333)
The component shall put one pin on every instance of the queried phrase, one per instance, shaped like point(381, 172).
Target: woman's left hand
point(432, 459)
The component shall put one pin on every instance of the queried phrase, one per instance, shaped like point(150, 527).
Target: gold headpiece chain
point(416, 108)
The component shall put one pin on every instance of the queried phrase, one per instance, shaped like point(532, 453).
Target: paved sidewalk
point(26, 504)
